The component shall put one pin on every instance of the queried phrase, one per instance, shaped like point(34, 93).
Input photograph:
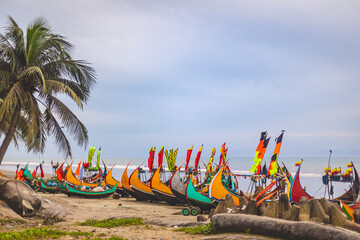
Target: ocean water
point(312, 168)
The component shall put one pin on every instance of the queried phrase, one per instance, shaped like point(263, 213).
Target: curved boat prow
point(296, 190)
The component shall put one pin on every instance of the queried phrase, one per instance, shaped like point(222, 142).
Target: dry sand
point(160, 218)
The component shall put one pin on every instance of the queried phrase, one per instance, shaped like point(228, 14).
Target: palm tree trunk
point(10, 134)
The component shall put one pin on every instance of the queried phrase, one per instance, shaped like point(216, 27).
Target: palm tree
point(35, 69)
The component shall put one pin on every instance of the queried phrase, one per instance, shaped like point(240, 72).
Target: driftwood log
point(279, 228)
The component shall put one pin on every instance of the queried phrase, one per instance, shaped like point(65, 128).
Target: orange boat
point(70, 178)
point(140, 188)
point(162, 191)
point(126, 186)
point(218, 191)
point(110, 180)
point(3, 175)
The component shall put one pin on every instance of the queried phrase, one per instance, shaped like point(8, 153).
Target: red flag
point(60, 172)
point(151, 158)
point(197, 159)
point(64, 172)
point(86, 165)
point(33, 173)
point(17, 170)
point(78, 169)
point(160, 156)
point(42, 171)
point(188, 155)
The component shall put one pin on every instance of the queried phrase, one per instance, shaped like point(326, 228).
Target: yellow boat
point(110, 180)
point(162, 191)
point(70, 178)
point(217, 190)
point(126, 186)
point(140, 188)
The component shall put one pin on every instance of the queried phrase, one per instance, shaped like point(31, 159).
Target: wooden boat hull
point(62, 188)
point(296, 190)
point(48, 189)
point(162, 191)
point(179, 195)
point(177, 187)
point(197, 199)
point(126, 186)
point(110, 180)
point(3, 175)
point(140, 188)
point(76, 192)
point(69, 177)
point(218, 191)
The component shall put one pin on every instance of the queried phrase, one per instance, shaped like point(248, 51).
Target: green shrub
point(38, 233)
point(204, 229)
point(111, 223)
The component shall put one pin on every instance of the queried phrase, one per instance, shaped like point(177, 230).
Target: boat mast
point(327, 178)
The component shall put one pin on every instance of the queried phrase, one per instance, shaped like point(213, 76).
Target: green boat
point(27, 175)
point(62, 188)
point(47, 188)
point(76, 192)
point(197, 199)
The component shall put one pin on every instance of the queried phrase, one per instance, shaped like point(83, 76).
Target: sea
point(312, 169)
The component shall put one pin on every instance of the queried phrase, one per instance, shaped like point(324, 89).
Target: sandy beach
point(160, 218)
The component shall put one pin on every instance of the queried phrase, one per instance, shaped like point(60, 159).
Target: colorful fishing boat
point(162, 191)
point(177, 186)
point(3, 175)
point(126, 186)
point(141, 189)
point(296, 190)
point(70, 178)
point(49, 189)
point(89, 194)
point(352, 196)
point(218, 190)
point(27, 175)
point(61, 187)
point(197, 199)
point(110, 180)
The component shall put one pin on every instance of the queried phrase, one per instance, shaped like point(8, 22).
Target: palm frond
point(54, 128)
point(34, 72)
point(60, 87)
point(15, 96)
point(75, 127)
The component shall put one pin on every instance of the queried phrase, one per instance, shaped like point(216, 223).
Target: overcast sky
point(183, 73)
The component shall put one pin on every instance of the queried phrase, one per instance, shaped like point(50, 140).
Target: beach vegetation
point(37, 73)
point(111, 238)
point(40, 233)
point(111, 223)
point(204, 229)
point(14, 220)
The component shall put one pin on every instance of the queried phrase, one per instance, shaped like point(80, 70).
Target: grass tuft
point(15, 220)
point(111, 223)
point(39, 233)
point(204, 229)
point(111, 238)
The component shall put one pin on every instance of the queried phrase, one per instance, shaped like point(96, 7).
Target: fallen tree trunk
point(279, 228)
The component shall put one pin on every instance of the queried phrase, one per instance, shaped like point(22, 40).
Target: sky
point(183, 73)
